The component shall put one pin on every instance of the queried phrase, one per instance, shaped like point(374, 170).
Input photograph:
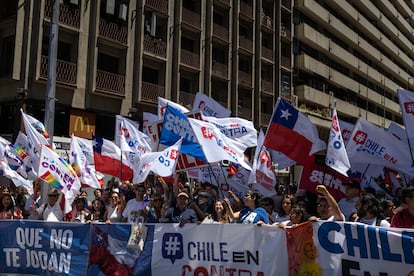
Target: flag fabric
point(108, 159)
point(161, 163)
point(346, 130)
point(58, 173)
point(30, 162)
point(262, 174)
point(235, 128)
point(35, 132)
point(209, 107)
point(131, 140)
point(398, 132)
point(336, 156)
point(406, 99)
point(162, 106)
point(78, 159)
point(280, 160)
point(175, 126)
point(17, 179)
point(215, 145)
point(119, 128)
point(148, 118)
point(376, 146)
point(293, 134)
point(14, 155)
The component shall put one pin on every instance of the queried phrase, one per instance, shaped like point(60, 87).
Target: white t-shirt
point(132, 209)
point(50, 213)
point(373, 222)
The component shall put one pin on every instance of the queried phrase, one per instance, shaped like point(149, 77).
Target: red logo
point(360, 137)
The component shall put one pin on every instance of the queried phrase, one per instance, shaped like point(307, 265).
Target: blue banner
point(31, 247)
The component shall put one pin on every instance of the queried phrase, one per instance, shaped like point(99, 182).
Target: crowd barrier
point(312, 248)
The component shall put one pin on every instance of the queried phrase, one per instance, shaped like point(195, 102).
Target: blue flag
point(175, 126)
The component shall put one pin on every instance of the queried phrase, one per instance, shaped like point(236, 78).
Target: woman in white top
point(114, 211)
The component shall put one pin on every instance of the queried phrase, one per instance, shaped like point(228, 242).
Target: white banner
point(214, 249)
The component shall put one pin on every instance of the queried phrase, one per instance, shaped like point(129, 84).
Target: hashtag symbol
point(360, 137)
point(409, 107)
point(172, 246)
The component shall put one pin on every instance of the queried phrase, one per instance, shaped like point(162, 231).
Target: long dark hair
point(10, 207)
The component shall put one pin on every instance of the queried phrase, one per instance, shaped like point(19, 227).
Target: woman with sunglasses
point(252, 213)
point(153, 211)
point(114, 212)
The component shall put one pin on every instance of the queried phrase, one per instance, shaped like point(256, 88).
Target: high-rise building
point(119, 56)
point(357, 52)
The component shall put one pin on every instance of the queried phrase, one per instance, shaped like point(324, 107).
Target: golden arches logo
point(83, 121)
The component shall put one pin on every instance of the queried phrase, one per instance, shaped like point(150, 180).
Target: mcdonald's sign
point(82, 123)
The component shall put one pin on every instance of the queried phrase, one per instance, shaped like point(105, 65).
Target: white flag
point(215, 145)
point(209, 107)
point(161, 163)
point(235, 128)
point(406, 99)
point(118, 128)
point(336, 156)
point(80, 153)
point(35, 132)
point(262, 170)
point(346, 130)
point(162, 106)
point(148, 118)
point(58, 173)
point(17, 179)
point(374, 145)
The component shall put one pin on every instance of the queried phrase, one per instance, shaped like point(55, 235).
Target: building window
point(6, 61)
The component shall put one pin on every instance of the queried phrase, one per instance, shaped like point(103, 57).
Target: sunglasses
point(115, 197)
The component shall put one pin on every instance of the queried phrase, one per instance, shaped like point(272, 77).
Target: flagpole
point(120, 169)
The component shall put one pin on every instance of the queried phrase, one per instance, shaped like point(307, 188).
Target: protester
point(327, 208)
point(347, 204)
point(97, 193)
point(296, 216)
point(203, 204)
point(220, 214)
point(405, 217)
point(7, 208)
point(34, 200)
point(135, 207)
point(369, 211)
point(79, 212)
point(285, 206)
point(252, 213)
point(154, 210)
point(83, 194)
point(181, 212)
point(97, 211)
point(388, 209)
point(50, 211)
point(268, 204)
point(114, 212)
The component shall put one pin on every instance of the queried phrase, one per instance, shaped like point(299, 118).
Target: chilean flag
point(293, 134)
point(107, 157)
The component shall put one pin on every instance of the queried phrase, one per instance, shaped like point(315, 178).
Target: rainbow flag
point(49, 178)
point(21, 152)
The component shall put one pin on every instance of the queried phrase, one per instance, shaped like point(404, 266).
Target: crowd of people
point(158, 201)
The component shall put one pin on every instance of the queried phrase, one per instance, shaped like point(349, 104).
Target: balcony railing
point(113, 31)
point(221, 32)
point(285, 61)
point(245, 78)
point(158, 5)
point(191, 18)
point(155, 46)
point(186, 98)
point(267, 87)
point(246, 43)
point(220, 70)
point(151, 92)
point(67, 15)
point(267, 53)
point(110, 83)
point(267, 21)
point(287, 4)
point(245, 113)
point(191, 59)
point(265, 119)
point(65, 71)
point(223, 2)
point(246, 9)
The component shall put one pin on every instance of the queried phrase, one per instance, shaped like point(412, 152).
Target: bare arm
point(233, 215)
point(336, 211)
